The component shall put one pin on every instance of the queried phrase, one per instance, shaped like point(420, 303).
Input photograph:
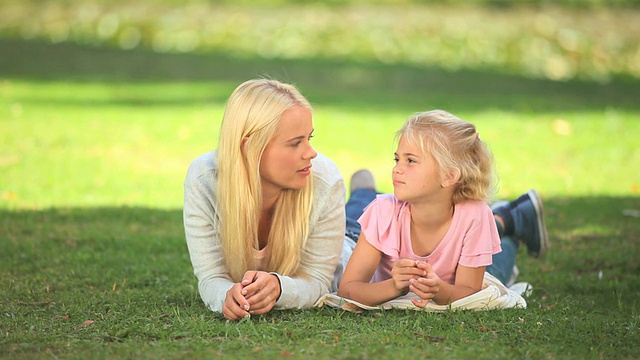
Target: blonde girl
point(436, 234)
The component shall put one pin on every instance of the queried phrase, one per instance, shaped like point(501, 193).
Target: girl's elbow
point(343, 290)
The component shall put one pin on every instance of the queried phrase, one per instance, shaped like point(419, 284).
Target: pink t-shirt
point(471, 240)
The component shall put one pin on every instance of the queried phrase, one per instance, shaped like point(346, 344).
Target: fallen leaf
point(562, 127)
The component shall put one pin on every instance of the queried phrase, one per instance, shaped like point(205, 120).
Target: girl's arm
point(362, 265)
point(468, 281)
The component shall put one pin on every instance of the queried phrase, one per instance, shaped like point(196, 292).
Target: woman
point(264, 215)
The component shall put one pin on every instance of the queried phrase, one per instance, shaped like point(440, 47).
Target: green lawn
point(95, 145)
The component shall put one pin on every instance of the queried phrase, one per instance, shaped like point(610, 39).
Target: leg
point(504, 261)
point(523, 219)
point(347, 250)
point(363, 191)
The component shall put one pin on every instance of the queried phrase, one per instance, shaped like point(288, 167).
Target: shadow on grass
point(345, 83)
point(594, 251)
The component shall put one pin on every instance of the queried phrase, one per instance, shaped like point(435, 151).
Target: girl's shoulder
point(388, 200)
point(473, 205)
point(473, 209)
point(387, 205)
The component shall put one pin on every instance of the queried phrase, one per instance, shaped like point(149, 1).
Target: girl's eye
point(395, 160)
point(410, 161)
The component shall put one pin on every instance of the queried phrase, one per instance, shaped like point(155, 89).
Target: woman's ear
point(243, 144)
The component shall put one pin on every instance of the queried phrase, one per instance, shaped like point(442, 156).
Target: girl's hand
point(426, 287)
point(403, 271)
point(235, 305)
point(261, 290)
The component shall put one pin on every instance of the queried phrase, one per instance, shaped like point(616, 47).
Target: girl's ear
point(450, 178)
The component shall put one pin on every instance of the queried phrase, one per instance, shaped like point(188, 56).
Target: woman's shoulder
point(325, 170)
point(204, 165)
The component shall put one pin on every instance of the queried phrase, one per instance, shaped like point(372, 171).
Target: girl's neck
point(432, 214)
point(429, 224)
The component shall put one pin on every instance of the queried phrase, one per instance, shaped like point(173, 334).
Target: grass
point(116, 283)
point(96, 142)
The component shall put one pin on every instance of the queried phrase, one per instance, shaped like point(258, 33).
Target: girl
point(264, 214)
point(436, 234)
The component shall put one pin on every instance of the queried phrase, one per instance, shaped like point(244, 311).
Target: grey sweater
point(320, 255)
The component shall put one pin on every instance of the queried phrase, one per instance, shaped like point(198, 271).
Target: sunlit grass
point(90, 144)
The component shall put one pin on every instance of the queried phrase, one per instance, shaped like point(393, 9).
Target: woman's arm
point(321, 252)
point(201, 227)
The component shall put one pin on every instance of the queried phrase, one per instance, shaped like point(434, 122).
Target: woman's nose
point(311, 152)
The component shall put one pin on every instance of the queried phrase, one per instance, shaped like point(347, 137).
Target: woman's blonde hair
point(456, 146)
point(253, 113)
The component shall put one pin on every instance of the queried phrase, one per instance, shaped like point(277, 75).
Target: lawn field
point(97, 131)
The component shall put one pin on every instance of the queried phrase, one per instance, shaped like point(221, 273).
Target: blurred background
point(107, 102)
point(556, 40)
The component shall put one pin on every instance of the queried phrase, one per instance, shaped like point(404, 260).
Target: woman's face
point(286, 161)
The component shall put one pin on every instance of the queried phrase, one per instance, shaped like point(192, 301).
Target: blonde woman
point(264, 215)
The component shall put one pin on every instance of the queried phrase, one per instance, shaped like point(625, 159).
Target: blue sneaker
point(524, 217)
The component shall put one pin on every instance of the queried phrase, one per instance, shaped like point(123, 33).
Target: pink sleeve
point(378, 225)
point(481, 240)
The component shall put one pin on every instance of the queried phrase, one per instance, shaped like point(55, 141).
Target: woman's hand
point(403, 271)
point(235, 306)
point(427, 286)
point(261, 290)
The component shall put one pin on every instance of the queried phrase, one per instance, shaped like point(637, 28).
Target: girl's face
point(286, 161)
point(416, 175)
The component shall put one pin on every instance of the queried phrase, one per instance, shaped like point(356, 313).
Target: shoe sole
point(542, 228)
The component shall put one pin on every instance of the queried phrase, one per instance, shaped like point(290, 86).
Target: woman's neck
point(266, 219)
point(269, 199)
